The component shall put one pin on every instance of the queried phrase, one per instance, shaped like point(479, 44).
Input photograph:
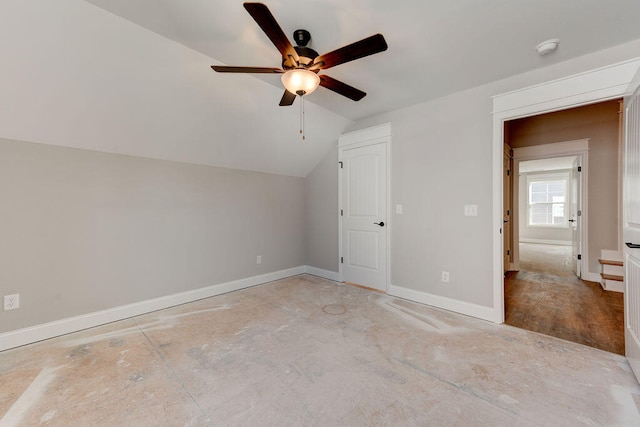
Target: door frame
point(380, 134)
point(508, 239)
point(597, 85)
point(578, 148)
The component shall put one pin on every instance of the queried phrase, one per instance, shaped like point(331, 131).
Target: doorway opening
point(560, 161)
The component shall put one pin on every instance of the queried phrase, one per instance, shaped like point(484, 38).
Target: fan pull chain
point(302, 116)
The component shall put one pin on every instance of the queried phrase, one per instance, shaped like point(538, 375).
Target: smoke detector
point(547, 46)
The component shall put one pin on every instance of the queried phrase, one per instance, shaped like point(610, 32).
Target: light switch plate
point(470, 210)
point(399, 209)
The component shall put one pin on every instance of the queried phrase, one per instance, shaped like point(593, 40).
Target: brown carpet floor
point(545, 296)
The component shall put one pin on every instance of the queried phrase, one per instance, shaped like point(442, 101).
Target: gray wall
point(599, 123)
point(322, 213)
point(442, 160)
point(82, 231)
point(438, 166)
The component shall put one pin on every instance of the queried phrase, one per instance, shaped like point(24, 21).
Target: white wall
point(442, 160)
point(82, 231)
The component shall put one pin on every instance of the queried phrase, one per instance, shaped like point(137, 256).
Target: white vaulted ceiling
point(133, 76)
point(436, 47)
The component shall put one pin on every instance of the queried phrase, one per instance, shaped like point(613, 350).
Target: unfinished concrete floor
point(307, 351)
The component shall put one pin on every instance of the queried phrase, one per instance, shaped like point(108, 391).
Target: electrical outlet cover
point(11, 302)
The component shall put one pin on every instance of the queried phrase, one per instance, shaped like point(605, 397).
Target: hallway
point(545, 296)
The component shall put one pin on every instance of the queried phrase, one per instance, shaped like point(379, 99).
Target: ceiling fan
point(301, 64)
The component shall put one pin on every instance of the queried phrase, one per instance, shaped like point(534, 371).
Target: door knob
point(381, 223)
point(505, 221)
point(572, 220)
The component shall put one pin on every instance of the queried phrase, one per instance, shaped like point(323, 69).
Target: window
point(547, 201)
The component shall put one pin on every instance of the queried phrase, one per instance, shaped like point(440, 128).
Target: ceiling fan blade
point(263, 17)
point(359, 49)
point(341, 88)
point(261, 70)
point(287, 98)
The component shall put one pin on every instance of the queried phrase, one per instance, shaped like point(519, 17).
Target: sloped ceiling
point(133, 76)
point(75, 75)
point(436, 47)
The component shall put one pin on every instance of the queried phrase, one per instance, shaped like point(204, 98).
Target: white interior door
point(364, 216)
point(576, 216)
point(631, 230)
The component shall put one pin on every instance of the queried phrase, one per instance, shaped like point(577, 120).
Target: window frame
point(563, 175)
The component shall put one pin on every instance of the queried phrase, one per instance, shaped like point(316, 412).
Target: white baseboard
point(56, 328)
point(612, 286)
point(466, 308)
point(591, 277)
point(325, 274)
point(546, 241)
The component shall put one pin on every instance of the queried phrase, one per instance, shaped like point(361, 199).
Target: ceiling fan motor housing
point(306, 54)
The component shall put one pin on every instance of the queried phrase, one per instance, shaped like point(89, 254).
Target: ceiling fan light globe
point(300, 80)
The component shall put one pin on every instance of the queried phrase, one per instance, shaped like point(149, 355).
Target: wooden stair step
point(612, 277)
point(610, 262)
